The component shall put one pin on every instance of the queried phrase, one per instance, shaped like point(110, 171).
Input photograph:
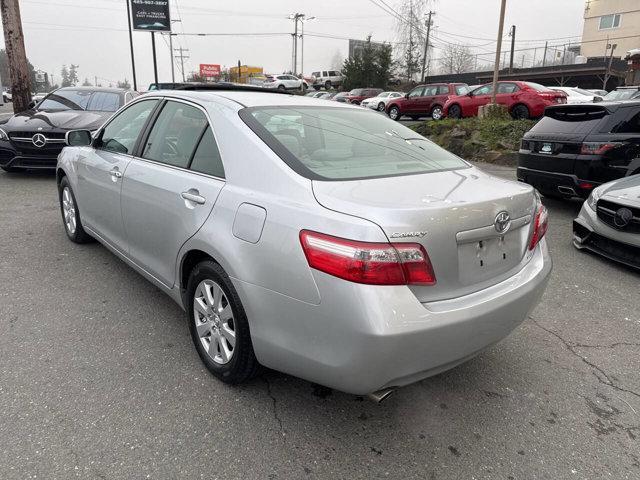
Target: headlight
point(594, 197)
point(3, 135)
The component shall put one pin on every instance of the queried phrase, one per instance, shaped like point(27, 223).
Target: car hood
point(626, 191)
point(41, 120)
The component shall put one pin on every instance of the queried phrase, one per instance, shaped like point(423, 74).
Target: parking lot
point(99, 379)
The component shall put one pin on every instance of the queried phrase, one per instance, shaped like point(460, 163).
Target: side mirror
point(470, 94)
point(406, 95)
point(32, 105)
point(597, 99)
point(78, 138)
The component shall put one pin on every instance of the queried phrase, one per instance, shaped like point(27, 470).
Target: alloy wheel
point(69, 211)
point(214, 321)
point(381, 107)
point(436, 113)
point(394, 113)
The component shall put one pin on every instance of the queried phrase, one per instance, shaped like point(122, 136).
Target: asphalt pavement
point(99, 379)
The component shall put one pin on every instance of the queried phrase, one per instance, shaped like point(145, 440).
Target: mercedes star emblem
point(622, 217)
point(502, 222)
point(39, 140)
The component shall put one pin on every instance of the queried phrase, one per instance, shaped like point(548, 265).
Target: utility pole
point(182, 56)
point(426, 46)
point(608, 74)
point(133, 58)
point(496, 65)
point(296, 17)
point(522, 64)
point(16, 55)
point(155, 60)
point(513, 47)
point(95, 81)
point(410, 45)
point(544, 57)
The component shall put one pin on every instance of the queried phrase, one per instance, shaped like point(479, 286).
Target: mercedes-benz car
point(609, 222)
point(316, 238)
point(33, 139)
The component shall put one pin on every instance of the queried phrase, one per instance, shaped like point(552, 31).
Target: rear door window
point(206, 158)
point(175, 134)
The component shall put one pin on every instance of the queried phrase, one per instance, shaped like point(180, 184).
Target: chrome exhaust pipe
point(381, 395)
point(567, 190)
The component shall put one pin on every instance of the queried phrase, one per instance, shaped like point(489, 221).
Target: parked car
point(609, 222)
point(284, 82)
point(577, 95)
point(379, 102)
point(341, 97)
point(425, 101)
point(33, 139)
point(523, 99)
point(266, 223)
point(327, 79)
point(575, 148)
point(600, 93)
point(623, 93)
point(7, 96)
point(357, 95)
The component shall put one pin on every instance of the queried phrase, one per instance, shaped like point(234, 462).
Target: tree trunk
point(16, 54)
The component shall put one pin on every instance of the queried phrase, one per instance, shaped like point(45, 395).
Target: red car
point(425, 100)
point(523, 99)
point(356, 95)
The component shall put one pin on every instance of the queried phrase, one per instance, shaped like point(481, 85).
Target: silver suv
point(327, 79)
point(312, 237)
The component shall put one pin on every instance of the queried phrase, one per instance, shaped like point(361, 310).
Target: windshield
point(81, 100)
point(328, 143)
point(625, 94)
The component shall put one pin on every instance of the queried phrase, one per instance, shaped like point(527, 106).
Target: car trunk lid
point(453, 215)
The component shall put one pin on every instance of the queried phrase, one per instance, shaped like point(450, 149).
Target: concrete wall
point(595, 39)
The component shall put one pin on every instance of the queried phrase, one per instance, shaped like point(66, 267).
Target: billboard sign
point(151, 15)
point(208, 70)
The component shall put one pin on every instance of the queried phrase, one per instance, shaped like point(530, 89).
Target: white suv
point(327, 79)
point(284, 82)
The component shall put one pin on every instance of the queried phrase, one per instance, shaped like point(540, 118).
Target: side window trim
point(146, 131)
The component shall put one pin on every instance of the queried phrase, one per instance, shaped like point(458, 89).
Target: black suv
point(575, 148)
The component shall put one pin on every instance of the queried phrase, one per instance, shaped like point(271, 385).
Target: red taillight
point(366, 262)
point(541, 223)
point(586, 185)
point(596, 148)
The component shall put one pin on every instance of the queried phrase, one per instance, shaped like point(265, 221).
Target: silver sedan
point(315, 238)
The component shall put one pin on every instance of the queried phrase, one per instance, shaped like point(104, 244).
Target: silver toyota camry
point(315, 238)
point(609, 222)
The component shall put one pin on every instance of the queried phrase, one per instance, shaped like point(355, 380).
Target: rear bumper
point(555, 183)
point(590, 233)
point(360, 338)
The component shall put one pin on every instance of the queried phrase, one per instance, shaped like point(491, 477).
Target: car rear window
point(570, 120)
point(537, 87)
point(328, 143)
point(624, 94)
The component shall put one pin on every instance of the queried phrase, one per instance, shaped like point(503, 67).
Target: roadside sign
point(209, 70)
point(151, 15)
point(41, 77)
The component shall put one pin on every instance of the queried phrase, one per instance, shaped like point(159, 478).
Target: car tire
point(219, 316)
point(394, 113)
point(70, 214)
point(455, 111)
point(520, 112)
point(327, 85)
point(381, 107)
point(436, 113)
point(282, 88)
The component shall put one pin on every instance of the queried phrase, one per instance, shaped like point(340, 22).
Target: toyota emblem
point(39, 140)
point(622, 217)
point(502, 222)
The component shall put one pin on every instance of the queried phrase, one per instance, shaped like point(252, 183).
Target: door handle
point(116, 173)
point(193, 197)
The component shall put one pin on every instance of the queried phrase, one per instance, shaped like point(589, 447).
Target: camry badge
point(39, 140)
point(407, 234)
point(502, 223)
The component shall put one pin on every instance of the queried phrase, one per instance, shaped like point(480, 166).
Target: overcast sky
point(93, 33)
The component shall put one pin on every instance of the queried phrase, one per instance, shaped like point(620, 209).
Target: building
point(608, 23)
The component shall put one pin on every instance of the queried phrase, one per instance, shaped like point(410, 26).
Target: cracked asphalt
point(98, 379)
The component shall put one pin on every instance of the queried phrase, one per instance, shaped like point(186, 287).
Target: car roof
point(96, 89)
point(247, 98)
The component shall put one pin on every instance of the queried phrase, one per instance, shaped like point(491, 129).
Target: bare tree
point(457, 59)
point(337, 61)
point(410, 32)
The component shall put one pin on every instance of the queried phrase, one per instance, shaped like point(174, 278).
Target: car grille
point(29, 135)
point(627, 254)
point(606, 211)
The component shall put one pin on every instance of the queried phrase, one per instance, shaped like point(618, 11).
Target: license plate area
point(483, 259)
point(545, 148)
